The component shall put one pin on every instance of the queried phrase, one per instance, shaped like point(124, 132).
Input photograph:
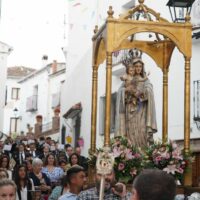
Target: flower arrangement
point(128, 159)
point(167, 157)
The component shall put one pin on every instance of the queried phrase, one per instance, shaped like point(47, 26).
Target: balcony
point(49, 128)
point(31, 103)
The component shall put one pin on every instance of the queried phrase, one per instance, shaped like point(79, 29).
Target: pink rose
point(121, 166)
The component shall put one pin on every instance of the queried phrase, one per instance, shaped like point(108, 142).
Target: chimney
point(44, 60)
point(54, 66)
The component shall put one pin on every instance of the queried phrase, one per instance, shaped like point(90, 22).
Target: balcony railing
point(31, 103)
point(48, 128)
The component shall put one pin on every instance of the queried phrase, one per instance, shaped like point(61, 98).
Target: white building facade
point(12, 121)
point(40, 92)
point(5, 50)
point(78, 84)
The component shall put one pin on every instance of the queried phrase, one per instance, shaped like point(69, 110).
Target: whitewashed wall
point(26, 91)
point(79, 78)
point(47, 85)
point(4, 52)
point(11, 104)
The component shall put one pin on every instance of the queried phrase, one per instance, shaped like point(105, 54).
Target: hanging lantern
point(179, 9)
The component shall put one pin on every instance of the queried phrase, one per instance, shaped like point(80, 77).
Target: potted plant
point(39, 118)
point(56, 112)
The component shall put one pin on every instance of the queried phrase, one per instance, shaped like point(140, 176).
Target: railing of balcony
point(50, 127)
point(47, 127)
point(61, 67)
point(31, 103)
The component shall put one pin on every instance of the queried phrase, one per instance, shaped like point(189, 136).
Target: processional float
point(118, 34)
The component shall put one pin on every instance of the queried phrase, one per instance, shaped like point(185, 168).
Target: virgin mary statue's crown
point(132, 56)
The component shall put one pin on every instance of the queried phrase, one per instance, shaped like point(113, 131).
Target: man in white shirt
point(68, 151)
point(77, 178)
point(33, 150)
point(20, 156)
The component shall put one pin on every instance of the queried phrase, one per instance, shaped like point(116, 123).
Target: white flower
point(116, 152)
point(174, 145)
point(171, 169)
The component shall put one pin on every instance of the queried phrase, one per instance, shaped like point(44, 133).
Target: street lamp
point(179, 9)
point(16, 112)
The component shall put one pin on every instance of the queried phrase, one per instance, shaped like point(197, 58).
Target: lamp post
point(179, 9)
point(16, 112)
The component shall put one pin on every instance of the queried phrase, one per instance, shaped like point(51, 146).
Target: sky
point(33, 28)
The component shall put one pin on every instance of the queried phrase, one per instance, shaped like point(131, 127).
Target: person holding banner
point(112, 190)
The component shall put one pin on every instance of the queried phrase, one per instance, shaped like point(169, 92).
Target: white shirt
point(24, 191)
point(68, 196)
point(33, 153)
point(21, 159)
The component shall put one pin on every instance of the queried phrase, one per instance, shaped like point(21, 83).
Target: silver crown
point(130, 56)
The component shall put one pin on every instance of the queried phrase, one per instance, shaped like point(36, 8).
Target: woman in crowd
point(60, 190)
point(4, 163)
point(24, 184)
point(29, 166)
point(3, 173)
point(63, 165)
point(53, 173)
point(74, 159)
point(40, 180)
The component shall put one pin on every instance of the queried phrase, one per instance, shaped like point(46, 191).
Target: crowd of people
point(39, 167)
point(32, 169)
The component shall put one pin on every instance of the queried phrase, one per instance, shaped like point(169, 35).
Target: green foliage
point(129, 161)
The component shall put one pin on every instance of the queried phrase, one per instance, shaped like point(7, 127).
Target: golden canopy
point(115, 35)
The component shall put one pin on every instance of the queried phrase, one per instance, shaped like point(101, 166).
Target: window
point(102, 113)
point(14, 125)
point(6, 96)
point(35, 90)
point(15, 93)
point(196, 102)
